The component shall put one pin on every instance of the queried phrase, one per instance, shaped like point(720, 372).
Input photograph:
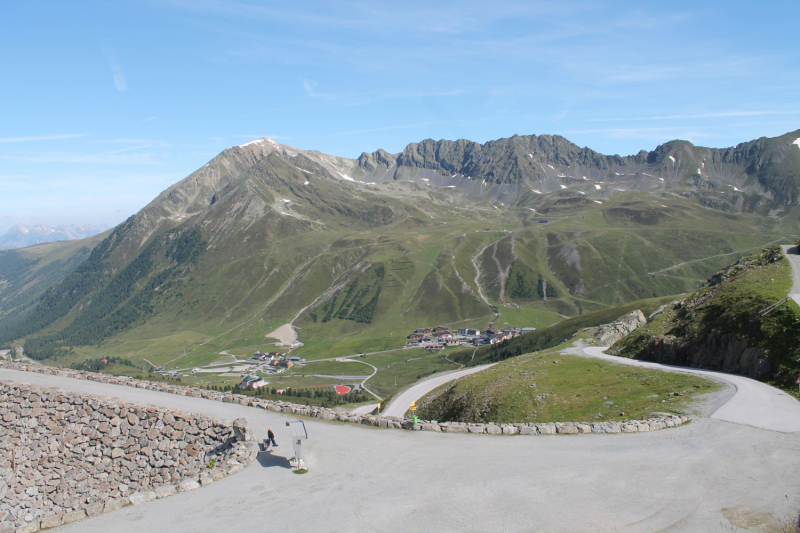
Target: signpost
point(413, 410)
point(798, 382)
point(298, 429)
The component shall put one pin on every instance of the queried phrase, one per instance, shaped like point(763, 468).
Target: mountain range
point(21, 236)
point(354, 253)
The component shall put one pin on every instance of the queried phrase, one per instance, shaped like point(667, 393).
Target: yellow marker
point(413, 406)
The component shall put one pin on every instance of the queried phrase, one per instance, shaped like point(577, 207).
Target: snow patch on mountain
point(257, 141)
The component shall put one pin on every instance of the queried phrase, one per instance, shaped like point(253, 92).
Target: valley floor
point(709, 475)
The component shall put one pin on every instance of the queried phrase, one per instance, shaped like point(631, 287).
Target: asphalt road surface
point(754, 403)
point(686, 479)
point(398, 406)
point(793, 255)
point(364, 409)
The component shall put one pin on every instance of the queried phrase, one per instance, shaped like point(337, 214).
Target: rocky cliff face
point(715, 351)
point(766, 166)
point(735, 324)
point(608, 334)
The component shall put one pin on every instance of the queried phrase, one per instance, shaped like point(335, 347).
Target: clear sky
point(105, 104)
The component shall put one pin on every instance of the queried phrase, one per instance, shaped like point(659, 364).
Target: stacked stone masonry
point(654, 423)
point(65, 457)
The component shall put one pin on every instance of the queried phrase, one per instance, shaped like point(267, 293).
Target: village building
point(252, 382)
point(434, 346)
point(442, 336)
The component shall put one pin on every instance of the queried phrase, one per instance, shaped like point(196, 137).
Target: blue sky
point(106, 104)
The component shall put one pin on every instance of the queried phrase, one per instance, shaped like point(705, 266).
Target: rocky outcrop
point(608, 334)
point(64, 457)
point(714, 351)
point(371, 162)
point(763, 258)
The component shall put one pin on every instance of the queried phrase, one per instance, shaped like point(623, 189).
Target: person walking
point(270, 438)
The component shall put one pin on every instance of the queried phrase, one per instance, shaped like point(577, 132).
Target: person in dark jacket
point(270, 438)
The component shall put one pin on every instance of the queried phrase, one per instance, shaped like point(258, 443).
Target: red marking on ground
point(340, 389)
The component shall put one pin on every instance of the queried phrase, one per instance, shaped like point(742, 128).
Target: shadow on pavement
point(266, 459)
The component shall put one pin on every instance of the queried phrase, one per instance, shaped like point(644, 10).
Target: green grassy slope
point(551, 336)
point(27, 272)
point(550, 386)
point(239, 290)
point(725, 318)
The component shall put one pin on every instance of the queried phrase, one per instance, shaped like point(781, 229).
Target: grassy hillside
point(715, 324)
point(550, 336)
point(263, 237)
point(435, 273)
point(26, 273)
point(551, 386)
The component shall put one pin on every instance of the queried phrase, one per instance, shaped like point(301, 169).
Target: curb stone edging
point(83, 449)
point(654, 423)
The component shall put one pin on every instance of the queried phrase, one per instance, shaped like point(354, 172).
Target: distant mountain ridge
point(22, 236)
point(758, 176)
point(769, 166)
point(523, 230)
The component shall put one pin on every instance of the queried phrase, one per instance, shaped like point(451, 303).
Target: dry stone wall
point(65, 457)
point(653, 423)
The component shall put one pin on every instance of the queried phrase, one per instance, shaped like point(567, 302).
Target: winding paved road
point(739, 465)
point(365, 409)
point(754, 403)
point(400, 405)
point(371, 479)
point(793, 255)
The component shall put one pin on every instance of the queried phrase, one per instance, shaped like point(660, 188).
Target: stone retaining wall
point(65, 457)
point(654, 423)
